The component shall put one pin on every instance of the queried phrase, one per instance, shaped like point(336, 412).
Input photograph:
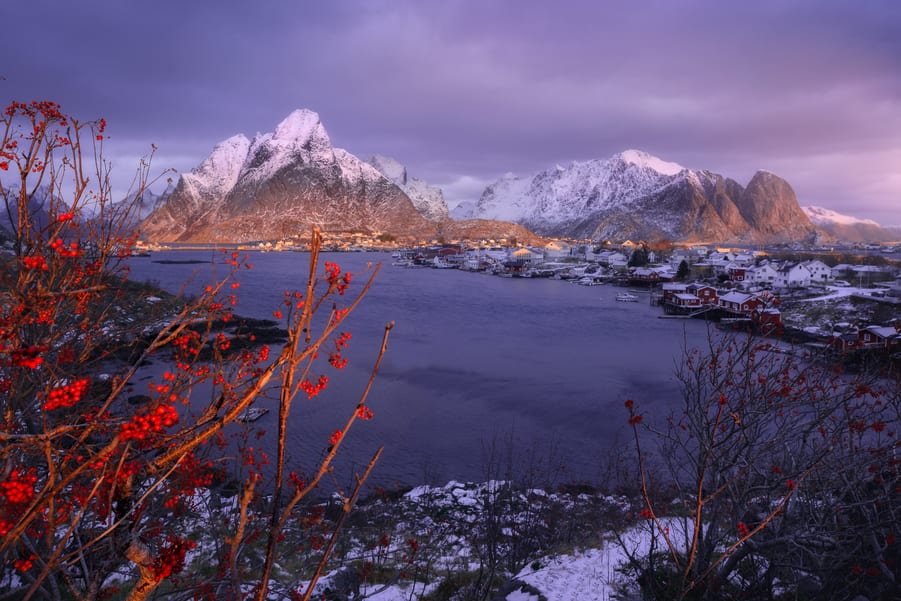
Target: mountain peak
point(640, 158)
point(299, 126)
point(279, 184)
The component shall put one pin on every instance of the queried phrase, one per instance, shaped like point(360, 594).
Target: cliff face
point(772, 211)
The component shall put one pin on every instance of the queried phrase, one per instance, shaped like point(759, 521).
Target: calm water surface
point(473, 360)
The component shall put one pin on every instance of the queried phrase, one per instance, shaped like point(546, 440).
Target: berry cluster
point(314, 389)
point(153, 422)
point(65, 251)
point(334, 277)
point(35, 262)
point(68, 395)
point(172, 557)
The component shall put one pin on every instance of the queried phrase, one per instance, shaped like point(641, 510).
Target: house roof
point(882, 331)
point(736, 297)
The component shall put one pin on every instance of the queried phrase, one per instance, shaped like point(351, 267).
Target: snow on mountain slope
point(464, 210)
point(507, 199)
point(848, 228)
point(354, 171)
point(564, 194)
point(300, 137)
point(634, 194)
point(823, 217)
point(219, 172)
point(643, 159)
point(427, 199)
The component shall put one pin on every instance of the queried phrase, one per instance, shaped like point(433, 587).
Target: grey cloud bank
point(464, 91)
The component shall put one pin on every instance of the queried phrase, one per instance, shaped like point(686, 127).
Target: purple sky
point(462, 91)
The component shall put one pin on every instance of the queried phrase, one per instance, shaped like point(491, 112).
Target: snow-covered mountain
point(39, 202)
point(464, 210)
point(427, 199)
point(636, 195)
point(848, 228)
point(141, 207)
point(280, 184)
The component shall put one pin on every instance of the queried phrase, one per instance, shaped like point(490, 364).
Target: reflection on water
point(473, 360)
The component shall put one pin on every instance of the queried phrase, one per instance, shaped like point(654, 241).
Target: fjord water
point(540, 367)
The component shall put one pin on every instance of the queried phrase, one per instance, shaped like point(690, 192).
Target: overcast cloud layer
point(462, 91)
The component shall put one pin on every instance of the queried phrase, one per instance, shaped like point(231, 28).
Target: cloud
point(463, 91)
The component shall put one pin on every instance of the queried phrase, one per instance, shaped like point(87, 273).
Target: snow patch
point(299, 126)
point(218, 173)
point(643, 159)
point(354, 170)
point(560, 195)
point(822, 216)
point(594, 574)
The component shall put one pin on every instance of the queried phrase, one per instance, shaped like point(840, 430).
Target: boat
point(626, 297)
point(588, 281)
point(252, 414)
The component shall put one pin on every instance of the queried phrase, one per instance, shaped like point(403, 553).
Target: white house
point(761, 275)
point(792, 276)
point(819, 271)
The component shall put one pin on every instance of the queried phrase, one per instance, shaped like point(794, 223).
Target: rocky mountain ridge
point(282, 183)
point(636, 195)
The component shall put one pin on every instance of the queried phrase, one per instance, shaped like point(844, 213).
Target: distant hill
point(850, 229)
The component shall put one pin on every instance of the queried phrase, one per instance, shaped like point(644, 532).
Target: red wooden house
point(741, 303)
point(707, 294)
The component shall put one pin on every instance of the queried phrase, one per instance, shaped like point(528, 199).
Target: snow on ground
point(584, 575)
point(593, 574)
point(837, 292)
